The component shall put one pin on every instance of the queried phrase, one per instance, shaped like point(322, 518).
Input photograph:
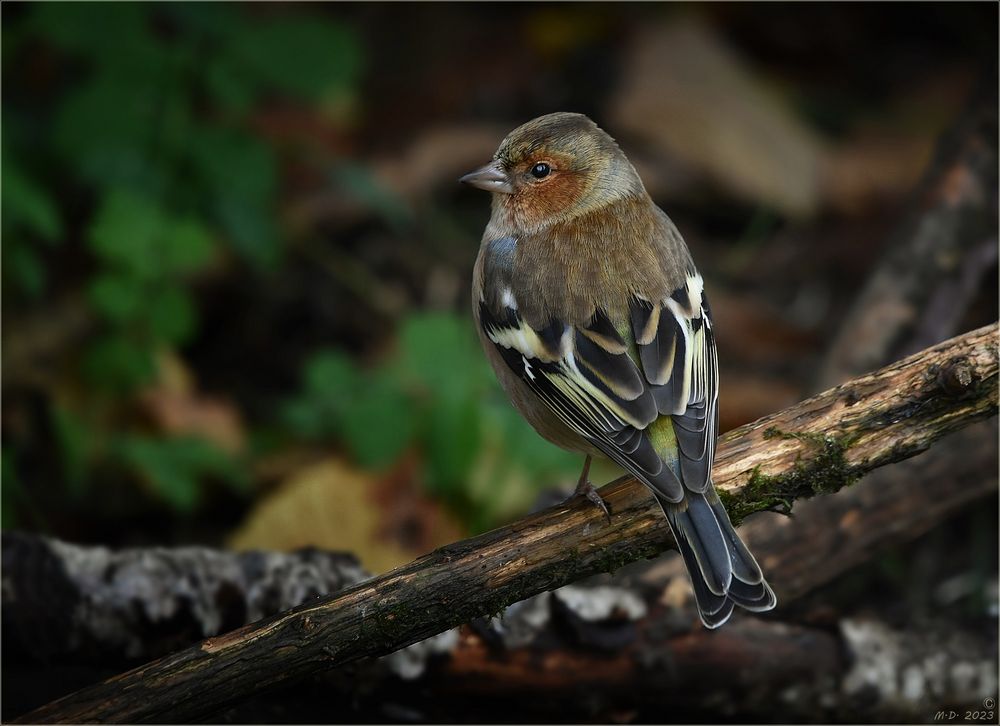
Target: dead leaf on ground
point(384, 521)
point(177, 408)
point(694, 99)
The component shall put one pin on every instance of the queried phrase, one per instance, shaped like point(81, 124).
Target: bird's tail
point(722, 570)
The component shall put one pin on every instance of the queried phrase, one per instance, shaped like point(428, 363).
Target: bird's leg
point(586, 489)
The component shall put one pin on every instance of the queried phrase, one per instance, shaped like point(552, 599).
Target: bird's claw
point(586, 489)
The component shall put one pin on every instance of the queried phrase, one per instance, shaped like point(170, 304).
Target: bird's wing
point(677, 353)
point(609, 383)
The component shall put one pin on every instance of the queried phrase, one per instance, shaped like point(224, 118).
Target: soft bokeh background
point(236, 259)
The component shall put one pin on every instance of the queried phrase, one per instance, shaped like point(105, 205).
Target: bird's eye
point(540, 170)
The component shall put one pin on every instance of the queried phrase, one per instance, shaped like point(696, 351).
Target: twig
point(818, 445)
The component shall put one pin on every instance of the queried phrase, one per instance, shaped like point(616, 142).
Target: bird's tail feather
point(722, 570)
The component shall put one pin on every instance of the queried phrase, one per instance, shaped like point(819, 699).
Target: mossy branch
point(816, 446)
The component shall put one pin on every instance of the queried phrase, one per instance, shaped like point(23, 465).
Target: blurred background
point(236, 261)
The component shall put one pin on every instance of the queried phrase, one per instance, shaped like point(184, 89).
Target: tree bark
point(816, 446)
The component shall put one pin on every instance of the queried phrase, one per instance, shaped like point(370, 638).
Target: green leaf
point(117, 363)
point(439, 352)
point(27, 204)
point(234, 163)
point(230, 86)
point(205, 20)
point(330, 382)
point(106, 130)
point(251, 229)
point(370, 413)
point(24, 267)
point(331, 374)
point(378, 423)
point(119, 298)
point(75, 447)
point(156, 462)
point(100, 30)
point(172, 315)
point(307, 56)
point(308, 419)
point(177, 468)
point(529, 450)
point(188, 246)
point(133, 234)
point(125, 233)
point(452, 443)
point(240, 173)
point(176, 122)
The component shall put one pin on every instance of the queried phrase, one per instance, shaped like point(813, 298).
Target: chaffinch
point(595, 320)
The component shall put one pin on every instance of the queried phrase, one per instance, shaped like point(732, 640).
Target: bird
point(595, 320)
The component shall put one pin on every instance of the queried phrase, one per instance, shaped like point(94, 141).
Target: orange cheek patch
point(550, 198)
point(563, 191)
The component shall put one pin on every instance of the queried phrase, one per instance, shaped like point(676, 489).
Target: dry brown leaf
point(176, 408)
point(692, 98)
point(332, 506)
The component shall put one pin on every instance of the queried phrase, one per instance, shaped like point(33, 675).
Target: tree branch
point(816, 446)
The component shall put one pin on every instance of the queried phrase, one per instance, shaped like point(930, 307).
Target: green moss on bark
point(825, 472)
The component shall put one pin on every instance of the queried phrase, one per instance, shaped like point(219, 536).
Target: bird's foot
point(586, 489)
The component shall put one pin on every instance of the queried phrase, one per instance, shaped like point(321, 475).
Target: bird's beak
point(491, 178)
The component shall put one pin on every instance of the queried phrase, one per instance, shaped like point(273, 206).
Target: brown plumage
point(593, 316)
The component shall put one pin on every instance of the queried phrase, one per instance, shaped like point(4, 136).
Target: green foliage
point(157, 174)
point(369, 412)
point(141, 128)
point(118, 363)
point(175, 468)
point(77, 448)
point(166, 151)
point(28, 206)
point(139, 291)
point(132, 233)
point(438, 396)
point(29, 218)
point(239, 173)
point(297, 55)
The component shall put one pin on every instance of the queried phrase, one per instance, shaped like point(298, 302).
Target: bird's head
point(554, 168)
